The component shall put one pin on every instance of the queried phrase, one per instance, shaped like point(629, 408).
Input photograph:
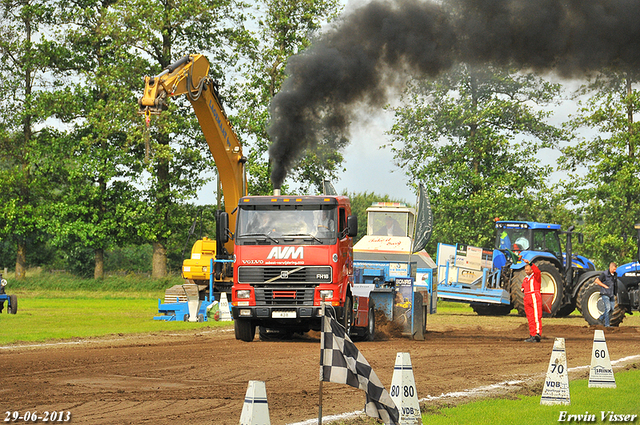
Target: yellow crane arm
point(190, 75)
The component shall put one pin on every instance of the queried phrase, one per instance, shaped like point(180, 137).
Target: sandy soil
point(201, 376)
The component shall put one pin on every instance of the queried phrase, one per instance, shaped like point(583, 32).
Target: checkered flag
point(342, 363)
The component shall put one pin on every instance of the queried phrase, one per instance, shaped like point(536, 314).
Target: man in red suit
point(532, 301)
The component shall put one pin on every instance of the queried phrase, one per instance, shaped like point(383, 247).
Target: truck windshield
point(304, 225)
point(387, 223)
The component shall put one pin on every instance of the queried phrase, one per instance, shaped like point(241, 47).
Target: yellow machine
point(190, 75)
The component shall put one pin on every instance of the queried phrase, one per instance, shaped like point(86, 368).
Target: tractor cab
point(528, 236)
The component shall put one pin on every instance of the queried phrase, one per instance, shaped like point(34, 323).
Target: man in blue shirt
point(607, 282)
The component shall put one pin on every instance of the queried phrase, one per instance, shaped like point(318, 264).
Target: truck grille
point(284, 274)
point(284, 295)
point(284, 285)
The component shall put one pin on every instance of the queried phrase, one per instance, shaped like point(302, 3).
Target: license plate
point(283, 314)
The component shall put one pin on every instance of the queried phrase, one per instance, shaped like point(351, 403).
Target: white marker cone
point(403, 391)
point(193, 301)
point(556, 385)
point(601, 372)
point(256, 409)
point(225, 313)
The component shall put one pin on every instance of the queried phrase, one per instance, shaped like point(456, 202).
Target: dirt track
point(201, 376)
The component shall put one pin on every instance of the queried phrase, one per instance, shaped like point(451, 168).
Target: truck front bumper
point(276, 312)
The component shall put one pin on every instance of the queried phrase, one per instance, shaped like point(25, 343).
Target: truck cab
point(291, 253)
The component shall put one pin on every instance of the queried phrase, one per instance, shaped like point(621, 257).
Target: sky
point(369, 168)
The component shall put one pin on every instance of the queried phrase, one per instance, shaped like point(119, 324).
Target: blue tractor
point(563, 273)
point(627, 297)
point(12, 300)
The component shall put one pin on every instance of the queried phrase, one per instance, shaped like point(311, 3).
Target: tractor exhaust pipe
point(276, 191)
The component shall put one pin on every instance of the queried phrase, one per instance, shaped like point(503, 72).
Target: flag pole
point(322, 309)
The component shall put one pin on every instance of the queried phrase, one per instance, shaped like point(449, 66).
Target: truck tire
point(589, 304)
point(14, 304)
point(245, 330)
point(370, 332)
point(552, 284)
point(347, 317)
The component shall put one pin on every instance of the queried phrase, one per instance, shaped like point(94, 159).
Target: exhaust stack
point(276, 191)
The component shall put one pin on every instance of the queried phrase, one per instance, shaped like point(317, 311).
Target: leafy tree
point(25, 141)
point(602, 165)
point(161, 32)
point(285, 28)
point(472, 135)
point(98, 208)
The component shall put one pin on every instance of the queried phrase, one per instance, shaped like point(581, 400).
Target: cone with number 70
point(556, 384)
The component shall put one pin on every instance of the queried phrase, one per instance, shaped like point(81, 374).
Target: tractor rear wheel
point(551, 287)
point(591, 307)
point(517, 297)
point(14, 304)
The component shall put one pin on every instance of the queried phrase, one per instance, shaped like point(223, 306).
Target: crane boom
point(190, 76)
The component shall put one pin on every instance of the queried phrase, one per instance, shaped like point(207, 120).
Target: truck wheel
point(370, 332)
point(347, 317)
point(14, 304)
point(245, 330)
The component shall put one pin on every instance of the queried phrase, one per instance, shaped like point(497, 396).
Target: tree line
point(84, 182)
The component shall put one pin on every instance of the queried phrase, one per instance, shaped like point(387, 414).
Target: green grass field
point(45, 315)
point(622, 400)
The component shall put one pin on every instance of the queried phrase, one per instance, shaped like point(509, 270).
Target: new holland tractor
point(562, 273)
point(627, 296)
point(490, 281)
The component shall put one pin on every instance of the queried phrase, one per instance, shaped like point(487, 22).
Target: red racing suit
point(533, 300)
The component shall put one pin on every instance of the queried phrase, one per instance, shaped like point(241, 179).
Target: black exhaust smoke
point(371, 52)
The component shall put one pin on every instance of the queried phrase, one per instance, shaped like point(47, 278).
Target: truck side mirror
point(222, 227)
point(352, 225)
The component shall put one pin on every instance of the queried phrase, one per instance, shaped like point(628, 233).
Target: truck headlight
point(244, 294)
point(326, 293)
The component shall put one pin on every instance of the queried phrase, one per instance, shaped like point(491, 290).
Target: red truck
point(290, 253)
